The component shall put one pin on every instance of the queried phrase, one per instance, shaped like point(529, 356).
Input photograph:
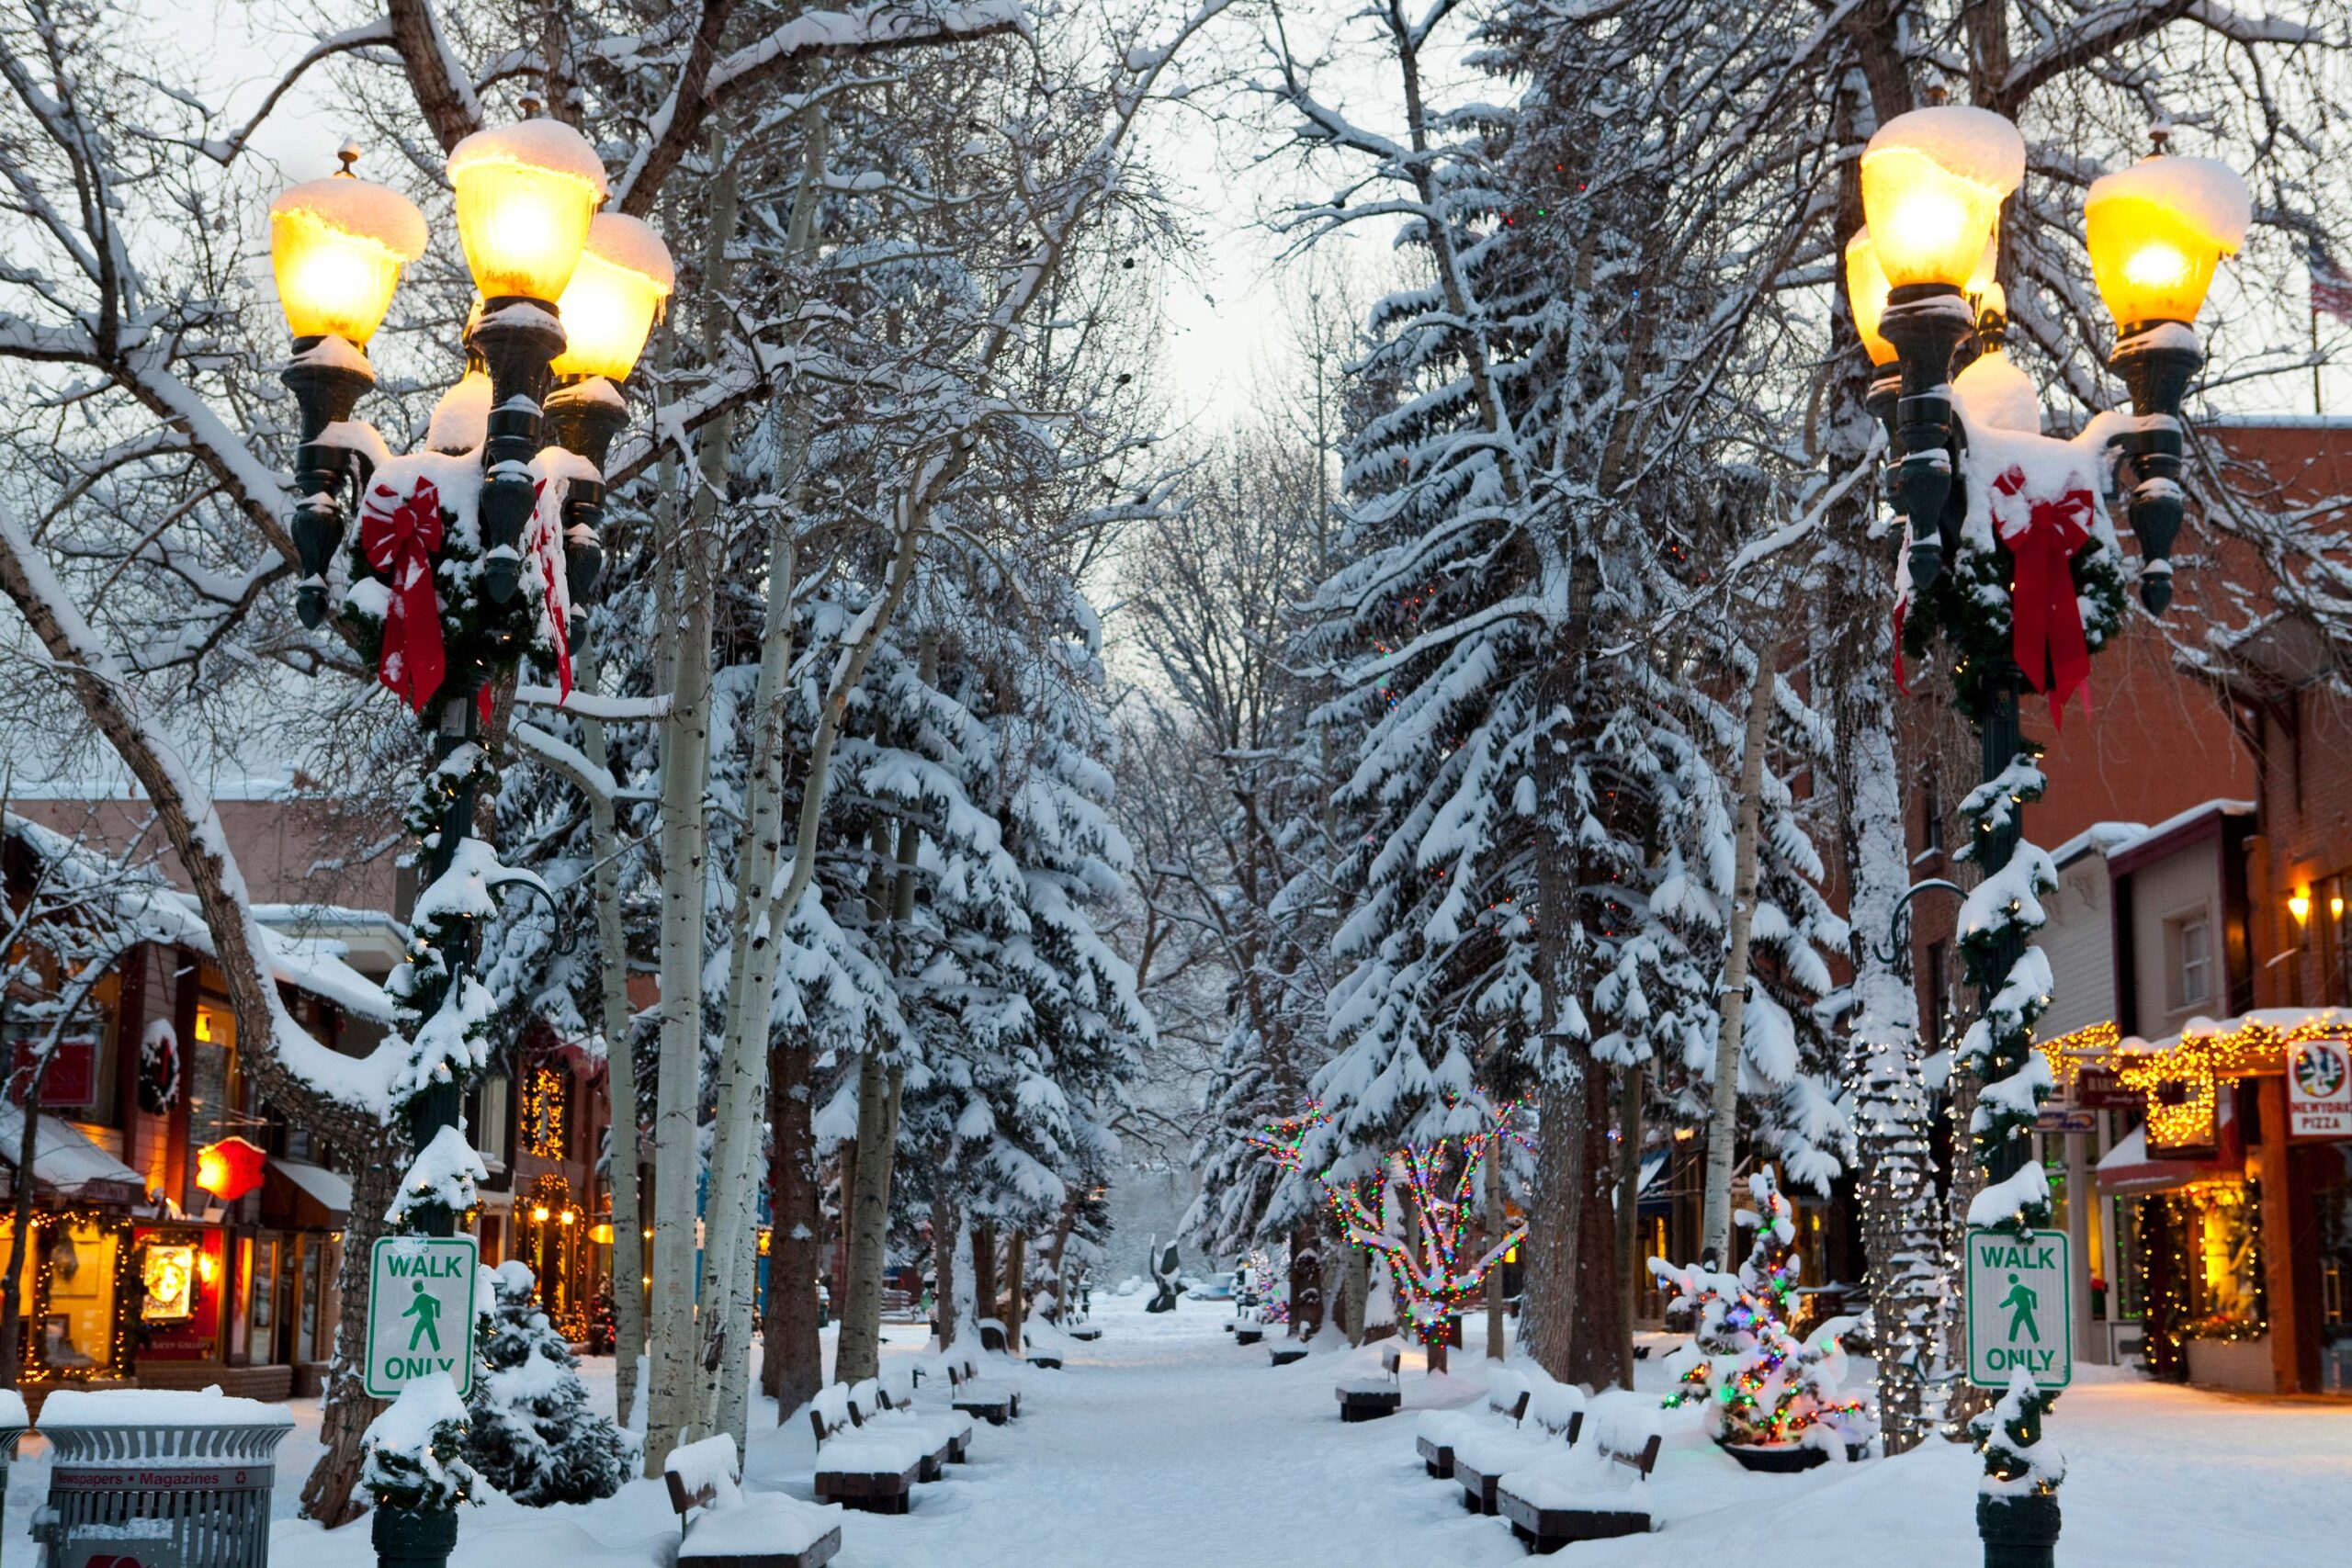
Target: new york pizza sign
point(2319, 1089)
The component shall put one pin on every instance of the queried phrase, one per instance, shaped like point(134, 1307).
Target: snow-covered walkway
point(1164, 1445)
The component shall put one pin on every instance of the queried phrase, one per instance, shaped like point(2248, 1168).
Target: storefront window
point(72, 1288)
point(2224, 1276)
point(210, 1113)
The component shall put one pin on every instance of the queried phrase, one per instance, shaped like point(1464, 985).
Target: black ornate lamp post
point(438, 566)
point(2007, 597)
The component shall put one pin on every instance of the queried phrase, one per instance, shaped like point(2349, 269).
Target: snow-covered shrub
point(415, 1450)
point(533, 1435)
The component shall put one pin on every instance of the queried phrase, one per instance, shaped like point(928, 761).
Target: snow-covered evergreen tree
point(529, 1431)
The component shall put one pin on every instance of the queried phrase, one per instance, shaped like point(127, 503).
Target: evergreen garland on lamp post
point(459, 566)
point(2021, 580)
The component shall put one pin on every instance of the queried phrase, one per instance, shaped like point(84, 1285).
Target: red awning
point(2127, 1171)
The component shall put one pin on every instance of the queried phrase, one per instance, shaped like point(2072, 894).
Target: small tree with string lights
point(1419, 1216)
point(1762, 1386)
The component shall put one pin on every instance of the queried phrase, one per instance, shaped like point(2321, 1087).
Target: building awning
point(299, 1195)
point(2128, 1171)
point(67, 1162)
point(1648, 1199)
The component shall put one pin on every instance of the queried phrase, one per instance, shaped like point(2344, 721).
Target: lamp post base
point(410, 1538)
point(2018, 1532)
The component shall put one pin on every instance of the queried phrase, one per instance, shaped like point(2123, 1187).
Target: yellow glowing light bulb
point(336, 247)
point(1932, 185)
point(2158, 230)
point(1866, 291)
point(2299, 904)
point(525, 195)
point(609, 307)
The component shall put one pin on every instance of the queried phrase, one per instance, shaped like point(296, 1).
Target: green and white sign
point(2021, 1311)
point(421, 1311)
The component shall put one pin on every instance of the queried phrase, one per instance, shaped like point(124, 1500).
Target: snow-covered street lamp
point(336, 246)
point(448, 542)
point(2014, 567)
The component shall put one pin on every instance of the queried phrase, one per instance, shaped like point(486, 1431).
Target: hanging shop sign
point(2319, 1089)
point(2020, 1314)
point(230, 1169)
point(2065, 1119)
point(421, 1311)
point(2101, 1089)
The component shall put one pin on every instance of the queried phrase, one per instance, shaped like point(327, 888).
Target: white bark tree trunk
point(730, 1268)
point(673, 1411)
point(1722, 1119)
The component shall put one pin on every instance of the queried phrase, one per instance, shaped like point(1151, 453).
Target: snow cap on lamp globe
point(336, 247)
point(1932, 185)
point(525, 194)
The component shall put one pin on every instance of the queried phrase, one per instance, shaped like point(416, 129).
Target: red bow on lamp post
point(399, 536)
point(2045, 617)
point(545, 546)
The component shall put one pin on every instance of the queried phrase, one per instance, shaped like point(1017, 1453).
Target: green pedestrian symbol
point(428, 1313)
point(2021, 1301)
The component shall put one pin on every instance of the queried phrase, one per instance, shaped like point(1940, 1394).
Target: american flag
point(2331, 289)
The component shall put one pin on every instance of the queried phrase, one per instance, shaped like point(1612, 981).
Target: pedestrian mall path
point(1165, 1445)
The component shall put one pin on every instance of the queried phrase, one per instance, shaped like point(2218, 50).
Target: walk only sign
point(2019, 1312)
point(421, 1311)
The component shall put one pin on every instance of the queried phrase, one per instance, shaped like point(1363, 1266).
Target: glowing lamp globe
point(615, 294)
point(337, 246)
point(1933, 181)
point(230, 1169)
point(1866, 292)
point(2158, 229)
point(526, 196)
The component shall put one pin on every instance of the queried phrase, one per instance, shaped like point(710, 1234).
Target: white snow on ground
point(1164, 1445)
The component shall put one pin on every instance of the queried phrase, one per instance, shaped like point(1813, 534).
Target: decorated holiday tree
point(1762, 1386)
point(1421, 1222)
point(531, 1433)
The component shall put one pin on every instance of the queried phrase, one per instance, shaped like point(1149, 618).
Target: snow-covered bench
point(943, 1437)
point(1481, 1456)
point(1435, 1434)
point(992, 1402)
point(1592, 1491)
point(1282, 1352)
point(1368, 1398)
point(899, 1395)
point(733, 1529)
point(871, 1471)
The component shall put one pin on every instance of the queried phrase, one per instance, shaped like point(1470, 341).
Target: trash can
point(148, 1478)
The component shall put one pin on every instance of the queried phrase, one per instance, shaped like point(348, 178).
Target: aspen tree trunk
point(858, 1353)
point(1498, 1222)
point(1632, 1083)
point(946, 1235)
point(612, 1020)
point(673, 1411)
point(730, 1262)
point(1016, 1271)
point(1722, 1119)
